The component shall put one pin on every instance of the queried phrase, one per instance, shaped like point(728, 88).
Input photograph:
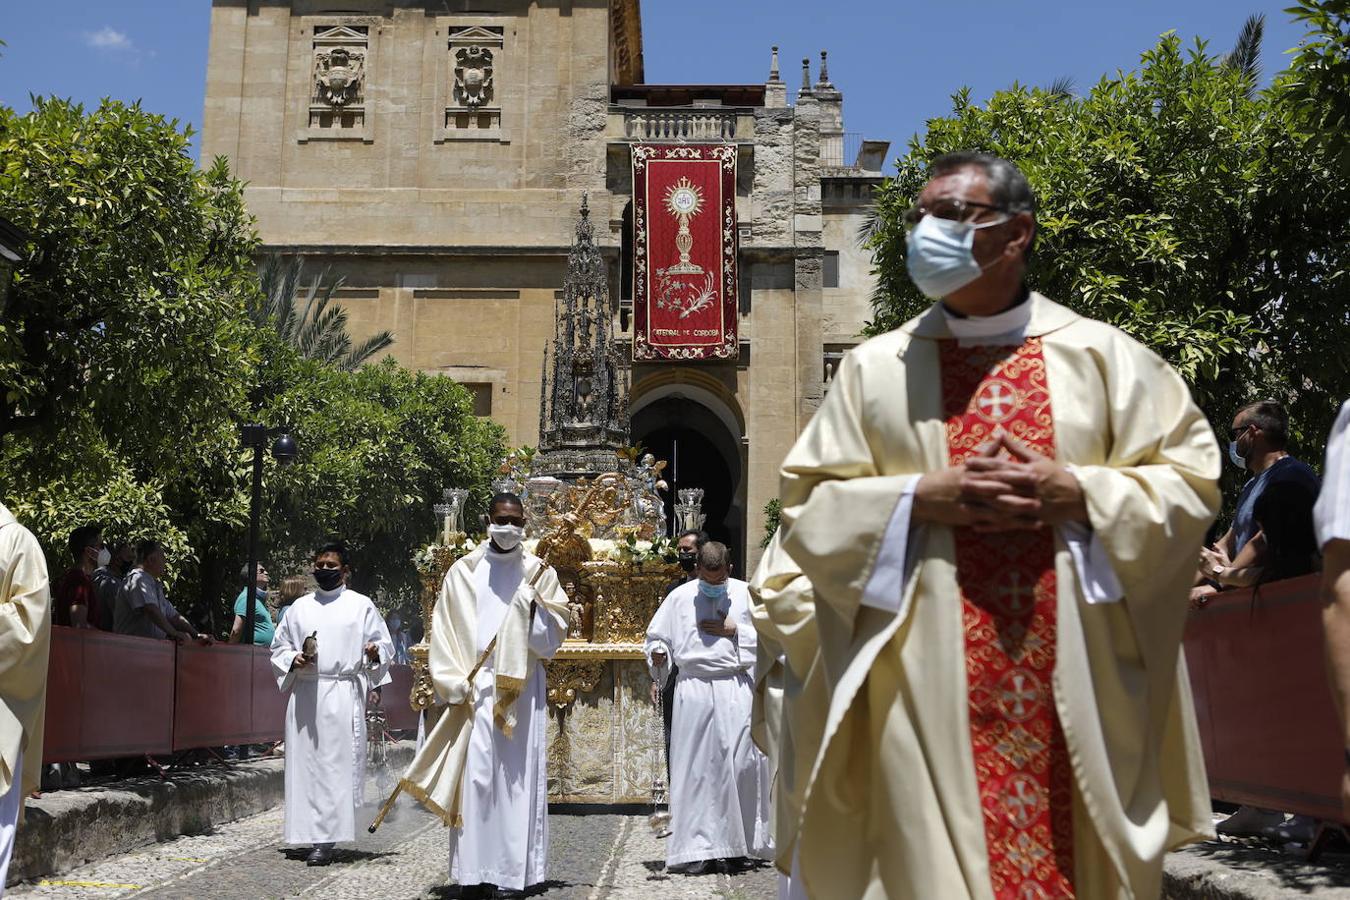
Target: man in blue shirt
point(263, 626)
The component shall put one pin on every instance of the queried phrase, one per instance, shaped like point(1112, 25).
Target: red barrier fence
point(1267, 718)
point(111, 695)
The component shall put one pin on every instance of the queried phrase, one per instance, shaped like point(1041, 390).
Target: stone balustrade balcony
point(680, 125)
point(645, 123)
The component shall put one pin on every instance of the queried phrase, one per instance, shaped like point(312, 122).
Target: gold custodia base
point(423, 691)
point(569, 677)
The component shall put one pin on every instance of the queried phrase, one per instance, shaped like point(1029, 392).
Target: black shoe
point(701, 867)
point(502, 892)
point(319, 856)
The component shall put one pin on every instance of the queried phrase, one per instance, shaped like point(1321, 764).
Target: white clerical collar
point(494, 553)
point(325, 596)
point(1007, 327)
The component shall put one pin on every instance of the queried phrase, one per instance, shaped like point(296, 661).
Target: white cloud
point(108, 38)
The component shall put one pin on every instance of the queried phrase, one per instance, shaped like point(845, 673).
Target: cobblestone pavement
point(592, 856)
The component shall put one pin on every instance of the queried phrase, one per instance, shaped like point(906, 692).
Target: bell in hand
point(311, 646)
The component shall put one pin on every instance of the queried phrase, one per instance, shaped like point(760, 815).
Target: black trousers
point(668, 715)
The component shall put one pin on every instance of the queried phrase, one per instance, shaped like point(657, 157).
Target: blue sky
point(897, 61)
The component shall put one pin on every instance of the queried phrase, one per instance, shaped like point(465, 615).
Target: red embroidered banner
point(684, 251)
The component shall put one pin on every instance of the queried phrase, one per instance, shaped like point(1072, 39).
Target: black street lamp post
point(283, 451)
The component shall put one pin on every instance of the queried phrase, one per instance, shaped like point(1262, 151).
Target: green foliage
point(376, 448)
point(1178, 205)
point(1316, 89)
point(773, 517)
point(1245, 57)
point(135, 342)
point(317, 328)
point(121, 344)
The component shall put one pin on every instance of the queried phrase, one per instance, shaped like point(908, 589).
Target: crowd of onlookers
point(117, 587)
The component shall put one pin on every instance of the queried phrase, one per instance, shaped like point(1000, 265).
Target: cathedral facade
point(437, 157)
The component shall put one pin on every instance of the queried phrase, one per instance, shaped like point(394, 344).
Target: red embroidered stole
point(1008, 608)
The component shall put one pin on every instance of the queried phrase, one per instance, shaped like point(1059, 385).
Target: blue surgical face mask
point(940, 256)
point(712, 591)
point(1235, 457)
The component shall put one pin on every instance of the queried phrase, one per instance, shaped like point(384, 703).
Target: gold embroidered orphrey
point(684, 199)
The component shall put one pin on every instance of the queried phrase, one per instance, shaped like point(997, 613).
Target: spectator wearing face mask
point(76, 600)
point(1272, 533)
point(114, 565)
point(1272, 537)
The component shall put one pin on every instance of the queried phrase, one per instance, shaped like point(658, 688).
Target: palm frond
point(305, 316)
point(1245, 57)
point(1061, 88)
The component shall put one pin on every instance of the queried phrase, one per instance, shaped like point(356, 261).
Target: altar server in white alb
point(326, 715)
point(719, 780)
point(491, 787)
point(25, 637)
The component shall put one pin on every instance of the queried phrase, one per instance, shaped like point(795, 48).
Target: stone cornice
point(560, 250)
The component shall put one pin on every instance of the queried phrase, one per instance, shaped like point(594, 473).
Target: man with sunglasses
point(1272, 532)
point(996, 507)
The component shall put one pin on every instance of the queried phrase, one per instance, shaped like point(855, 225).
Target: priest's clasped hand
point(300, 661)
point(1005, 486)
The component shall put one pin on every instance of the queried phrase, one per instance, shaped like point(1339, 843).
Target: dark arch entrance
point(702, 454)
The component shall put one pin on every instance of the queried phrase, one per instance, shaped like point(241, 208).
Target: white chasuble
point(326, 713)
point(898, 778)
point(503, 840)
point(25, 641)
point(719, 780)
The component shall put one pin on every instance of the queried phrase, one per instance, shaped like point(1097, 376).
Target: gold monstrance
point(684, 200)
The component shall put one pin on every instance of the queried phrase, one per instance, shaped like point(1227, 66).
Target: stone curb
point(66, 829)
point(1229, 870)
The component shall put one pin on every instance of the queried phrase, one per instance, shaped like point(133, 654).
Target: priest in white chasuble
point(719, 780)
point(328, 679)
point(491, 784)
point(25, 642)
point(998, 507)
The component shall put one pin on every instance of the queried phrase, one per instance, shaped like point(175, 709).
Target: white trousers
point(9, 819)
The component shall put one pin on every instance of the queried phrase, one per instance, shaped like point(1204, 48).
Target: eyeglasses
point(951, 208)
point(1241, 430)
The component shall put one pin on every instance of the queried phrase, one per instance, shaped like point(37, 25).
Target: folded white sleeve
point(886, 585)
point(1095, 572)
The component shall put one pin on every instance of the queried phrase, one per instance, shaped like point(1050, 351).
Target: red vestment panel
point(1008, 607)
point(684, 251)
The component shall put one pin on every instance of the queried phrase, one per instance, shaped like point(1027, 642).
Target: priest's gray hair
point(713, 556)
point(1007, 185)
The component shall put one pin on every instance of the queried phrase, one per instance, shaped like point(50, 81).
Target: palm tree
point(314, 325)
point(1245, 57)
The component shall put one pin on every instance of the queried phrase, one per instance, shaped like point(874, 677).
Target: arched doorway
point(699, 435)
